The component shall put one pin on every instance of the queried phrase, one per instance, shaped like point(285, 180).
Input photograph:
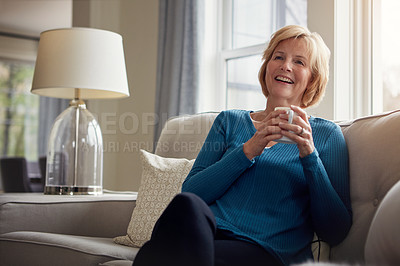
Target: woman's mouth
point(284, 79)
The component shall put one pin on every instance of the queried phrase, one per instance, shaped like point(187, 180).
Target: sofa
point(38, 229)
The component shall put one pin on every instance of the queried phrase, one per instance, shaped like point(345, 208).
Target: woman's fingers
point(299, 131)
point(264, 134)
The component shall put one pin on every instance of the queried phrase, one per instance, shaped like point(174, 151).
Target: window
point(18, 107)
point(375, 62)
point(243, 88)
point(237, 44)
point(386, 59)
point(18, 111)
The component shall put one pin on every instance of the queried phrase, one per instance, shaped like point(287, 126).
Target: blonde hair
point(318, 53)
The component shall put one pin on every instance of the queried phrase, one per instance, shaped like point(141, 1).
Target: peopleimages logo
point(129, 123)
point(126, 123)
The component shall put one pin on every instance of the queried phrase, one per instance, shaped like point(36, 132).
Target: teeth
point(284, 79)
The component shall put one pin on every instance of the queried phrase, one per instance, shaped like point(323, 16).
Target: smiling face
point(288, 73)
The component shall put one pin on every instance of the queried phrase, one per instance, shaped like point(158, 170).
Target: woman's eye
point(278, 57)
point(300, 62)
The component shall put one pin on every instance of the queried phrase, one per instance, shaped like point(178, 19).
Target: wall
point(30, 18)
point(19, 49)
point(127, 123)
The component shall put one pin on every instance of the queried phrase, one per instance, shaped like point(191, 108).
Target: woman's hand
point(299, 131)
point(267, 130)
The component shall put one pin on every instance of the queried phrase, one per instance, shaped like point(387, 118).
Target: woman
point(250, 200)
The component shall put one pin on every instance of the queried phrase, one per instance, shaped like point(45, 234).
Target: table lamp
point(78, 64)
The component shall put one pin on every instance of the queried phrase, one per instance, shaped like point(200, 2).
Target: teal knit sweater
point(278, 199)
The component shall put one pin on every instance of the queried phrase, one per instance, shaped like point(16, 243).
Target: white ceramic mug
point(291, 114)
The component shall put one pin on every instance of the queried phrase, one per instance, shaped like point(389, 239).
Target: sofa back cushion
point(374, 147)
point(183, 136)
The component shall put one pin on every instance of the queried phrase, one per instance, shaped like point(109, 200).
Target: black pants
point(186, 235)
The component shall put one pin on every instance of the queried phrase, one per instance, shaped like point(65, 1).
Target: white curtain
point(180, 30)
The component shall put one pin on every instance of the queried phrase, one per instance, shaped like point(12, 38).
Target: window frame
point(364, 86)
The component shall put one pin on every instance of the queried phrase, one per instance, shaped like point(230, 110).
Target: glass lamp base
point(66, 190)
point(75, 153)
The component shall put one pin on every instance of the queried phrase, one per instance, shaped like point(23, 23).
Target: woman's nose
point(286, 66)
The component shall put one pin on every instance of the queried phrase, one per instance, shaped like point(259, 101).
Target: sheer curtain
point(49, 109)
point(180, 29)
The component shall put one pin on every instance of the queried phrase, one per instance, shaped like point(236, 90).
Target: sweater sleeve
point(327, 175)
point(217, 166)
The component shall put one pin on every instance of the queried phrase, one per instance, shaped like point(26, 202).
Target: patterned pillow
point(162, 179)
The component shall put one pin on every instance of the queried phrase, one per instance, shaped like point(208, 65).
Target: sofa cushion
point(374, 147)
point(382, 246)
point(161, 180)
point(43, 249)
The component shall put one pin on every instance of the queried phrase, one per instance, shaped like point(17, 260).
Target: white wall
point(20, 49)
point(31, 17)
point(126, 124)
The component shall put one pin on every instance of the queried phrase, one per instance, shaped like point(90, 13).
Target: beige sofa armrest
point(106, 215)
point(383, 241)
point(373, 143)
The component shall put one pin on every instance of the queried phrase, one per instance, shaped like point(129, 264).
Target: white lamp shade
point(90, 60)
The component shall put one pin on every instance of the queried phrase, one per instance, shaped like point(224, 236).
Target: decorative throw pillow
point(162, 179)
